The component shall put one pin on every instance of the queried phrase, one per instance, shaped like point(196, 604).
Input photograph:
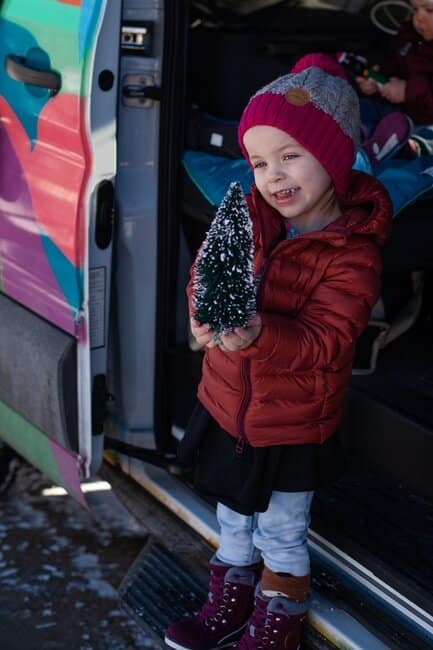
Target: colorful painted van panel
point(45, 157)
point(62, 466)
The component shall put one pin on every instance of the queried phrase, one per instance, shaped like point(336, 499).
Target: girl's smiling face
point(422, 18)
point(291, 179)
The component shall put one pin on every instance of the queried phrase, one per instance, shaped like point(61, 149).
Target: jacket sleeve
point(419, 94)
point(323, 333)
point(418, 76)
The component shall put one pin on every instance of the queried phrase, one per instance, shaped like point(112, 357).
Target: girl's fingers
point(255, 320)
point(245, 332)
point(195, 323)
point(236, 340)
point(242, 334)
point(199, 330)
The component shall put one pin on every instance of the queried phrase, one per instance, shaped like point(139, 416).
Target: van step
point(385, 524)
point(159, 589)
point(340, 589)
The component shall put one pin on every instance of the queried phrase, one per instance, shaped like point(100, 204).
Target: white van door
point(58, 104)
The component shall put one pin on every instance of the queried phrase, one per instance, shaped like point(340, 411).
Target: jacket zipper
point(245, 374)
point(245, 366)
point(245, 371)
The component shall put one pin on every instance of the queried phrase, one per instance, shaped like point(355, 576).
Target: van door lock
point(139, 91)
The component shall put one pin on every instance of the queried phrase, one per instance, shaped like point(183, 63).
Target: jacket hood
point(367, 210)
point(366, 207)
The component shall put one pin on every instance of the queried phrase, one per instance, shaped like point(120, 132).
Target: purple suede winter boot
point(222, 619)
point(274, 624)
point(390, 135)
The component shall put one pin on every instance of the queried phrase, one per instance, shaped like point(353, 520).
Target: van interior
point(381, 510)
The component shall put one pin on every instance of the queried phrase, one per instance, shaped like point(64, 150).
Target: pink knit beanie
point(315, 105)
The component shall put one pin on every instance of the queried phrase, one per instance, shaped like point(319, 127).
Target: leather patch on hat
point(297, 96)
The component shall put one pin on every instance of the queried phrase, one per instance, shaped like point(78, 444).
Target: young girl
point(271, 394)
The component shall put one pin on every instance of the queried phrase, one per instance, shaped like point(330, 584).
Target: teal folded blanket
point(405, 180)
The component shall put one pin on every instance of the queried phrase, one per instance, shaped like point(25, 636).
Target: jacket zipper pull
point(239, 448)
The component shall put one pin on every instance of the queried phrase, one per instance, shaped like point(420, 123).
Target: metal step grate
point(158, 589)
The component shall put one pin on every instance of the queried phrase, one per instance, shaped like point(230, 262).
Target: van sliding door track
point(350, 569)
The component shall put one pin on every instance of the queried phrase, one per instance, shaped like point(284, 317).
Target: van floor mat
point(159, 589)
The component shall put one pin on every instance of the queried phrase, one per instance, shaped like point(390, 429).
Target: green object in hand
point(378, 77)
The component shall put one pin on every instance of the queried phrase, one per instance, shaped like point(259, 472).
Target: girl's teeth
point(284, 193)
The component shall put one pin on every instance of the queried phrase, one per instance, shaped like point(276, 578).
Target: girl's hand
point(394, 91)
point(366, 86)
point(241, 337)
point(203, 334)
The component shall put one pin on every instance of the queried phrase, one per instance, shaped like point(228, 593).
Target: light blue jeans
point(279, 535)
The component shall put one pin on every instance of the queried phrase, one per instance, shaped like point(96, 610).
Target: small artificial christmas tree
point(224, 287)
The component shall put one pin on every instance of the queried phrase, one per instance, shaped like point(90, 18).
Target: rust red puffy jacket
point(316, 294)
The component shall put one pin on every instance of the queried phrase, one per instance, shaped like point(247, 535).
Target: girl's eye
point(290, 156)
point(259, 165)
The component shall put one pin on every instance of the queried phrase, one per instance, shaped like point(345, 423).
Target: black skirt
point(245, 481)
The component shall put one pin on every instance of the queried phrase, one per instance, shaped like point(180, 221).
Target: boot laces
point(270, 632)
point(221, 600)
point(258, 622)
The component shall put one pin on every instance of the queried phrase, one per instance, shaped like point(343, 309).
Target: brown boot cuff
point(293, 587)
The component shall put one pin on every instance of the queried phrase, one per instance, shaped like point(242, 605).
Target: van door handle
point(18, 69)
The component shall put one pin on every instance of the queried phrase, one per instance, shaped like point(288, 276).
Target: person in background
point(401, 108)
point(271, 394)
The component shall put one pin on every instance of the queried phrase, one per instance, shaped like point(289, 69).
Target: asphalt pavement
point(61, 566)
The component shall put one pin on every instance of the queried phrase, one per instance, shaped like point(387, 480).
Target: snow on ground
point(60, 568)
